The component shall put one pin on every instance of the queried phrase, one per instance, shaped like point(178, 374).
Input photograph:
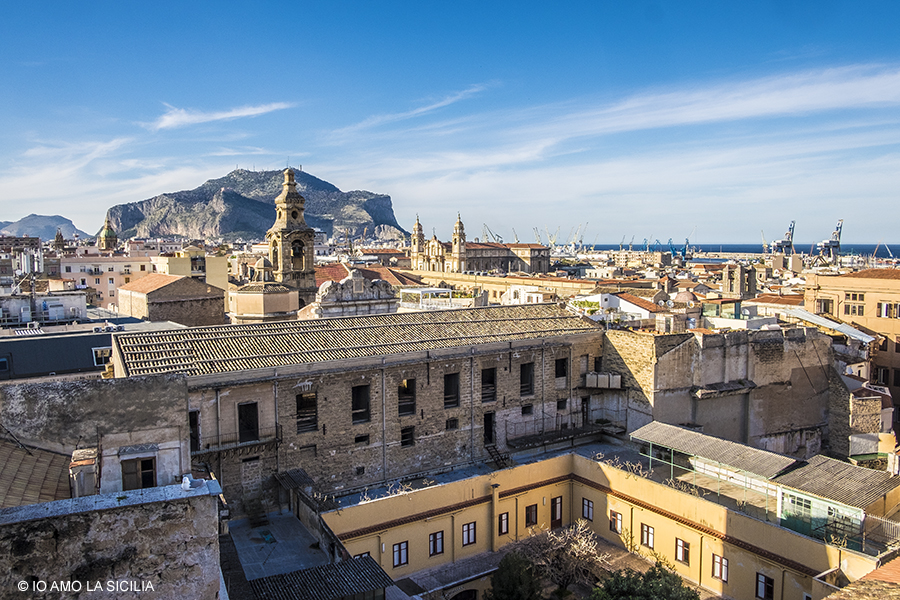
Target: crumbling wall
point(155, 543)
point(60, 415)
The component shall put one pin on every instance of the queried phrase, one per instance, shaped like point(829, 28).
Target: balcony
point(238, 439)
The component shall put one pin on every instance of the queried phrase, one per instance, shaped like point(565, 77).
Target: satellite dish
point(745, 312)
point(690, 304)
point(661, 303)
point(669, 303)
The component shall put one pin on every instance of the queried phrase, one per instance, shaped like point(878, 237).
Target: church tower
point(459, 247)
point(290, 242)
point(417, 244)
point(107, 238)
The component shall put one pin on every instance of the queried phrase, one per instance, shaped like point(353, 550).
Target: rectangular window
point(97, 281)
point(646, 536)
point(435, 543)
point(527, 409)
point(765, 587)
point(526, 379)
point(452, 424)
point(307, 413)
point(248, 422)
point(587, 509)
point(598, 364)
point(361, 555)
point(360, 471)
point(360, 409)
point(531, 515)
point(615, 521)
point(451, 390)
point(720, 568)
point(468, 534)
point(361, 440)
point(562, 367)
point(138, 474)
point(503, 524)
point(111, 281)
point(102, 356)
point(561, 404)
point(68, 269)
point(488, 385)
point(194, 429)
point(401, 554)
point(682, 551)
point(110, 269)
point(143, 267)
point(556, 512)
point(406, 397)
point(408, 436)
point(128, 280)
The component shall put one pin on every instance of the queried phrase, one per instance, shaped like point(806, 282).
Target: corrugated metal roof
point(295, 478)
point(224, 348)
point(752, 460)
point(850, 332)
point(327, 582)
point(839, 481)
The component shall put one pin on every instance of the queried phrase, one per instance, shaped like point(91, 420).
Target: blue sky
point(644, 119)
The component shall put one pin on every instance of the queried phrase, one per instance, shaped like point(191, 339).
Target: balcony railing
point(225, 441)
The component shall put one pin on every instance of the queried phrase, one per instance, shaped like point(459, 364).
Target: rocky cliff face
point(241, 204)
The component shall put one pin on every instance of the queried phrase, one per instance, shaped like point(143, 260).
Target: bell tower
point(291, 241)
point(458, 251)
point(417, 244)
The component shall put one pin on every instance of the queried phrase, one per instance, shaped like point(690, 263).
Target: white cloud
point(179, 117)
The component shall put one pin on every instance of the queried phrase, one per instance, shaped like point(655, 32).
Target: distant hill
point(241, 204)
point(41, 226)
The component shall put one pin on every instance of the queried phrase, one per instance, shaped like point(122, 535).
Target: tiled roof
point(224, 348)
point(874, 274)
point(33, 476)
point(149, 283)
point(840, 481)
point(327, 582)
point(759, 462)
point(484, 245)
point(640, 302)
point(266, 287)
point(333, 272)
point(786, 299)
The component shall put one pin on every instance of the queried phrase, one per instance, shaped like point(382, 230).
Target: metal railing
point(234, 439)
point(547, 428)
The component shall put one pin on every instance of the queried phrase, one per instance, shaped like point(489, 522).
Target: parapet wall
point(154, 543)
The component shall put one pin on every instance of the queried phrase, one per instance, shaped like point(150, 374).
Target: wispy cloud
point(180, 117)
point(377, 120)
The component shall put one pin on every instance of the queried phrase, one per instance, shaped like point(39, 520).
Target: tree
point(514, 579)
point(566, 556)
point(659, 583)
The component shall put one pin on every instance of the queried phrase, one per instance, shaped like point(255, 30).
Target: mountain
point(242, 204)
point(42, 226)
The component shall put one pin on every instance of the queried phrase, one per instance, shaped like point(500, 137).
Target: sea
point(884, 250)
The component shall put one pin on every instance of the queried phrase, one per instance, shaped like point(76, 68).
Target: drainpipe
point(275, 395)
point(472, 406)
point(383, 425)
point(495, 511)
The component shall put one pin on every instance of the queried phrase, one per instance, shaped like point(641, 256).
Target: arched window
point(297, 256)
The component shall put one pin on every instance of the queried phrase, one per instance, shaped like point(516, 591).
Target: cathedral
point(458, 256)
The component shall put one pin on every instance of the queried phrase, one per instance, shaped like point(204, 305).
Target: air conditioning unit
point(110, 328)
point(98, 330)
point(120, 328)
point(34, 325)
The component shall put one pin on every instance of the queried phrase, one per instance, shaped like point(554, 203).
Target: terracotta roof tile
point(874, 274)
point(226, 348)
point(150, 283)
point(32, 477)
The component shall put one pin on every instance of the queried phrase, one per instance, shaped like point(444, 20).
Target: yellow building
point(722, 550)
point(194, 262)
point(868, 299)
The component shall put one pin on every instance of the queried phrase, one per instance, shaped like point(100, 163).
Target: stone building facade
point(291, 242)
point(361, 401)
point(769, 389)
point(460, 256)
point(180, 299)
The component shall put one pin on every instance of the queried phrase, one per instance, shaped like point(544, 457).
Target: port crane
point(785, 245)
point(831, 249)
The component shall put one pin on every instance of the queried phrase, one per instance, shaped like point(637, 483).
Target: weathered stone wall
point(340, 454)
point(769, 389)
point(115, 545)
point(59, 415)
point(191, 312)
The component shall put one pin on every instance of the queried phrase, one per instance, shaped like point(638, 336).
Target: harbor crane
point(831, 249)
point(537, 236)
point(785, 245)
point(515, 236)
point(765, 243)
point(622, 243)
